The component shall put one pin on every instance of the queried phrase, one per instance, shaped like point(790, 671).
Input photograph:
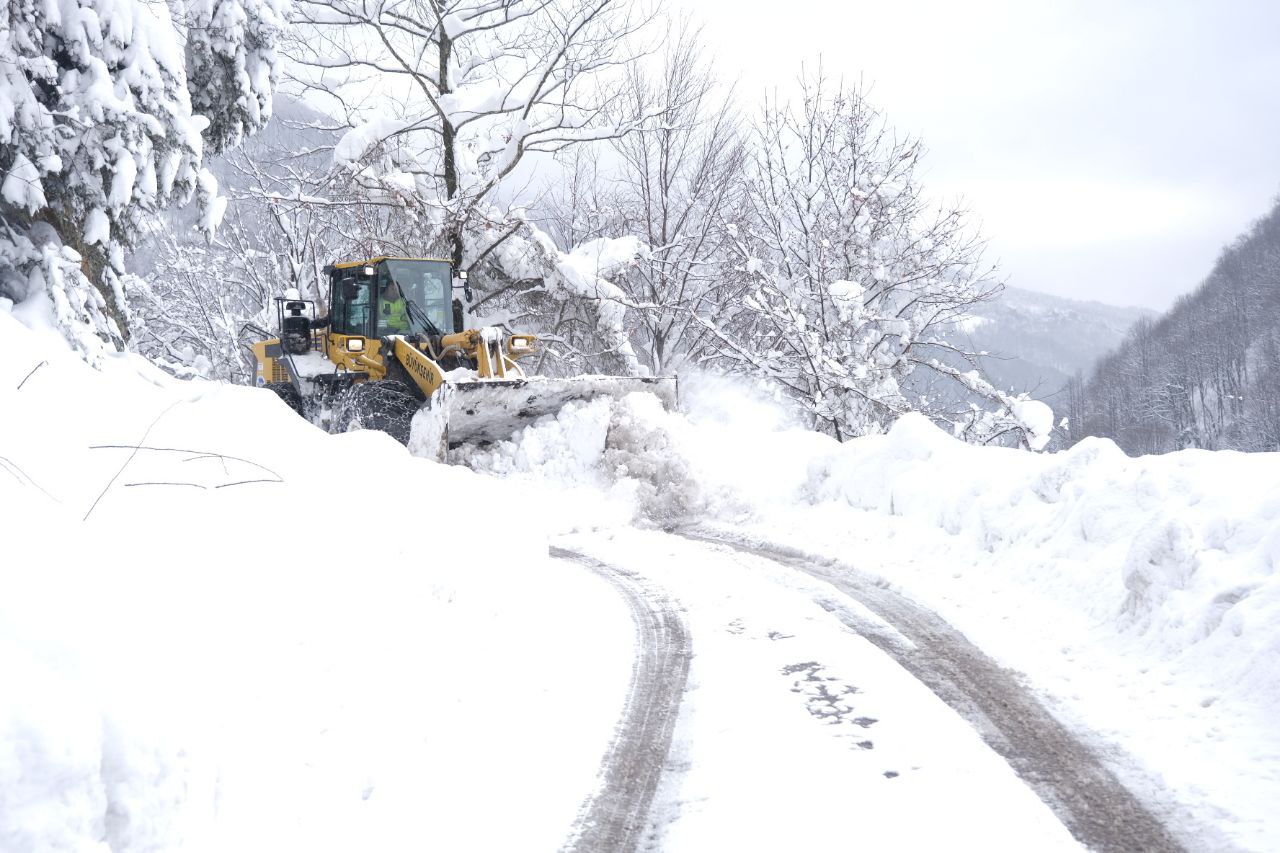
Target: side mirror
point(460, 280)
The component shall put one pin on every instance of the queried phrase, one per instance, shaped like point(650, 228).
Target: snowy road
point(613, 817)
point(1063, 770)
point(712, 792)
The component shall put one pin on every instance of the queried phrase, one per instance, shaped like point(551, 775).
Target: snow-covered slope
point(1039, 341)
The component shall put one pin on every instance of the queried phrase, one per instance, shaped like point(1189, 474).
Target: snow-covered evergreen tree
point(97, 131)
point(233, 64)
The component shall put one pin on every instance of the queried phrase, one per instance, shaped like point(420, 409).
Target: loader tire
point(289, 395)
point(386, 406)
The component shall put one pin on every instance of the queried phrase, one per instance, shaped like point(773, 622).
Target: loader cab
point(385, 296)
point(351, 300)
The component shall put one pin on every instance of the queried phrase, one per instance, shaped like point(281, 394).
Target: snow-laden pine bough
point(382, 359)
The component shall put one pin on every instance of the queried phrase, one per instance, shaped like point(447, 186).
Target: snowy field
point(221, 629)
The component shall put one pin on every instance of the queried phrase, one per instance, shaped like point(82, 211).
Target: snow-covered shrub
point(36, 268)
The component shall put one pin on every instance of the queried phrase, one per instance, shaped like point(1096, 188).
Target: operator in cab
point(393, 312)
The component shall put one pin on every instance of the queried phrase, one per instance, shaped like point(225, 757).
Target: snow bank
point(1142, 594)
point(222, 629)
point(1181, 549)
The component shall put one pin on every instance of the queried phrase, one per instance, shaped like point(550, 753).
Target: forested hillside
point(1207, 373)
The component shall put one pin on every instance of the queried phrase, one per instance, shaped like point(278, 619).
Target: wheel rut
point(613, 817)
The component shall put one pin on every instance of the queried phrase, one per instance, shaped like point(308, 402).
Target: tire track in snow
point(1064, 772)
point(614, 816)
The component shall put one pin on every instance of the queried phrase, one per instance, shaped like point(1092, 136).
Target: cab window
point(428, 285)
point(350, 303)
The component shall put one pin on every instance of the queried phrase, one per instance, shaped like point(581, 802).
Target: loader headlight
point(521, 342)
point(355, 344)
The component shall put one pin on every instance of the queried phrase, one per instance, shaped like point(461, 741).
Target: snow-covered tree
point(97, 132)
point(189, 312)
point(445, 99)
point(854, 279)
point(678, 190)
point(584, 320)
point(232, 65)
point(1205, 373)
point(202, 303)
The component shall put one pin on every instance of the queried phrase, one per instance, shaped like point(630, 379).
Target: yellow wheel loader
point(393, 342)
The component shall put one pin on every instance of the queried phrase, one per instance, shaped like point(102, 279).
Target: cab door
point(351, 298)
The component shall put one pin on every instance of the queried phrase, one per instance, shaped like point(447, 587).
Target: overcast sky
point(1107, 149)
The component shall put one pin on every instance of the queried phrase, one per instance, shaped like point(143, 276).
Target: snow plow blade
point(485, 411)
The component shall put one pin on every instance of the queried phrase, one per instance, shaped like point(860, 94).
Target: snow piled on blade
point(617, 445)
point(1144, 594)
point(485, 411)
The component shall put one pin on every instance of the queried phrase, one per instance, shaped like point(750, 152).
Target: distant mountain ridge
point(1037, 342)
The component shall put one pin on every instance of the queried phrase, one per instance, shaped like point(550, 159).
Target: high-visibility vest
point(395, 315)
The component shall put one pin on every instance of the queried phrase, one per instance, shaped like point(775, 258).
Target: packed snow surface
point(221, 629)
